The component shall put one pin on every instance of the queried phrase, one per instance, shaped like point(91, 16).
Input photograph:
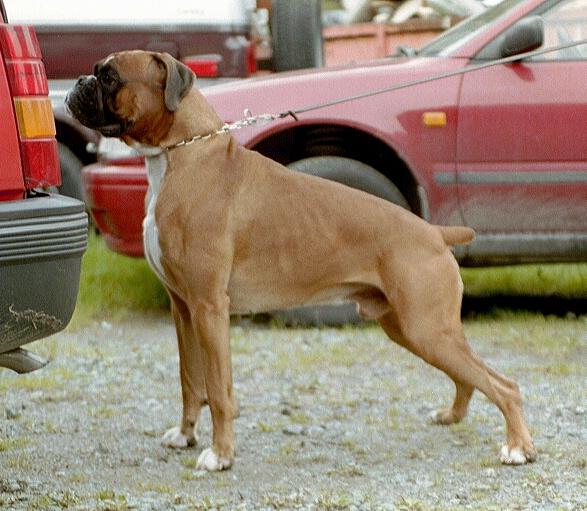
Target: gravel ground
point(330, 419)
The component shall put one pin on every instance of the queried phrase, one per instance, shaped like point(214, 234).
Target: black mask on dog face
point(88, 101)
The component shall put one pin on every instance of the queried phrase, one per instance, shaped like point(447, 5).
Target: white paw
point(210, 461)
point(513, 456)
point(176, 439)
point(434, 416)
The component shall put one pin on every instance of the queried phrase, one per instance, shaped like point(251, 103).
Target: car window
point(564, 23)
point(467, 29)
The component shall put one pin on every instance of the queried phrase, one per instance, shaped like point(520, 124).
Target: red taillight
point(34, 117)
point(41, 155)
point(205, 66)
point(251, 59)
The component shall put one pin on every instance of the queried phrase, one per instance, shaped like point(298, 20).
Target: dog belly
point(247, 296)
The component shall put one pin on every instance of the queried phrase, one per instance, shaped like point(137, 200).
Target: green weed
point(8, 444)
point(113, 283)
point(568, 280)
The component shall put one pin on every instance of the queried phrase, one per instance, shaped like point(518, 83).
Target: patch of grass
point(8, 444)
point(265, 427)
point(64, 500)
point(105, 495)
point(103, 412)
point(113, 283)
point(300, 418)
point(108, 500)
point(345, 471)
point(20, 461)
point(189, 462)
point(42, 380)
point(77, 477)
point(289, 448)
point(187, 475)
point(332, 502)
point(294, 500)
point(568, 280)
point(154, 487)
point(532, 333)
point(559, 369)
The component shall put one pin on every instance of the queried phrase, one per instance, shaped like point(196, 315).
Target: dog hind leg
point(424, 318)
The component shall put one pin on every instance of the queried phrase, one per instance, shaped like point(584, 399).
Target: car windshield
point(465, 30)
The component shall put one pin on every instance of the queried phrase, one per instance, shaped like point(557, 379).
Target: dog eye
point(108, 79)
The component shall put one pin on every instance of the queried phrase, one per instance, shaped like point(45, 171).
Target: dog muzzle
point(85, 102)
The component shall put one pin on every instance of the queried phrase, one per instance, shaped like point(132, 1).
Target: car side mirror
point(524, 36)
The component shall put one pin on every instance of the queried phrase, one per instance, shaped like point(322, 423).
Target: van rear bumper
point(42, 240)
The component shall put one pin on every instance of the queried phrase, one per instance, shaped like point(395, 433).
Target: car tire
point(358, 175)
point(296, 28)
point(71, 176)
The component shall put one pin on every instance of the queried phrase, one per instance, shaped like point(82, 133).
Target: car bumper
point(115, 194)
point(42, 241)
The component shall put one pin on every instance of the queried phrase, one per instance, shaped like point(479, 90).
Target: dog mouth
point(85, 102)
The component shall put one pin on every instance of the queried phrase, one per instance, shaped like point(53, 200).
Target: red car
point(502, 150)
point(42, 235)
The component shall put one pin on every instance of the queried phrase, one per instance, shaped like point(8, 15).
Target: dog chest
point(156, 166)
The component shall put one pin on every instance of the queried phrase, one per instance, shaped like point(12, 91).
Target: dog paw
point(444, 417)
point(210, 461)
point(177, 440)
point(517, 455)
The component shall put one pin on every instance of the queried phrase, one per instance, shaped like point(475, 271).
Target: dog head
point(131, 95)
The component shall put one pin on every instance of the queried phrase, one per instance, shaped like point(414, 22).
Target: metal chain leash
point(248, 120)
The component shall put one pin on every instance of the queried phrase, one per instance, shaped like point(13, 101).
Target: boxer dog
point(230, 231)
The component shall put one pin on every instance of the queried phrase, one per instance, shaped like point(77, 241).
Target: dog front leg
point(193, 382)
point(212, 324)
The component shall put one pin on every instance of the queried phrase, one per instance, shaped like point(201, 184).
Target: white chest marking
point(156, 166)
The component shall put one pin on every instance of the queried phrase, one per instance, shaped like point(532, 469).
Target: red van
point(42, 235)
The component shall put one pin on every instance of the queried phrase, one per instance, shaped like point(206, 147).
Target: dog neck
point(194, 116)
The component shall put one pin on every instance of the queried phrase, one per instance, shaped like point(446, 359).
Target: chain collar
point(248, 120)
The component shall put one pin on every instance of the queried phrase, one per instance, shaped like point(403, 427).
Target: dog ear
point(179, 81)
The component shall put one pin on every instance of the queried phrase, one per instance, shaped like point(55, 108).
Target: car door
point(522, 147)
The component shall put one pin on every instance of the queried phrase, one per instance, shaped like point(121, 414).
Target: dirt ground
point(330, 419)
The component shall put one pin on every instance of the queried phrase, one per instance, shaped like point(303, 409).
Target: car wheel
point(71, 177)
point(358, 175)
point(296, 28)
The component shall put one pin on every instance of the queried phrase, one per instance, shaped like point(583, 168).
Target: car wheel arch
point(302, 141)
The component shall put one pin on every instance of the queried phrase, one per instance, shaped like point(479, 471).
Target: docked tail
point(456, 235)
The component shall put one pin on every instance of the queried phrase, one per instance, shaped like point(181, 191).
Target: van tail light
point(34, 115)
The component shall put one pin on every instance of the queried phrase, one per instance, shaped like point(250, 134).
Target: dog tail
point(456, 235)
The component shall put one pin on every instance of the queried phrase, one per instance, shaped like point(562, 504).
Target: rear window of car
point(110, 12)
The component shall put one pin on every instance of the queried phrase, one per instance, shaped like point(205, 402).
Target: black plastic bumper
point(42, 240)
